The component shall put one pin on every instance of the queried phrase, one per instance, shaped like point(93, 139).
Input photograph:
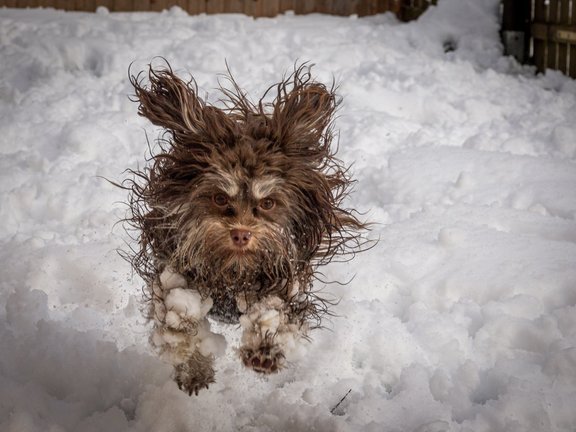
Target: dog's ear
point(173, 104)
point(302, 114)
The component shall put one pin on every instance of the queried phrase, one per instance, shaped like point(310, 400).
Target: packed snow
point(462, 318)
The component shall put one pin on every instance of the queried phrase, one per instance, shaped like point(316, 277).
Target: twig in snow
point(341, 400)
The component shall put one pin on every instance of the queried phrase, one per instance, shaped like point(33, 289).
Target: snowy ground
point(463, 318)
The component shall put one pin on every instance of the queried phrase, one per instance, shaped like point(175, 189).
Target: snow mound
point(461, 318)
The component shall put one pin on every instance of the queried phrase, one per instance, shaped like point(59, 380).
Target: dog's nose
point(240, 237)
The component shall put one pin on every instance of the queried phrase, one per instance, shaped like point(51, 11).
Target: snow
point(462, 318)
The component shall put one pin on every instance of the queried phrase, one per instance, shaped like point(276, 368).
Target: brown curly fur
point(282, 148)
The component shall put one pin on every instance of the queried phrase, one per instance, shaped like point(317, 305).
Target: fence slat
point(286, 5)
point(233, 6)
point(123, 5)
point(24, 3)
point(195, 7)
point(183, 4)
point(572, 51)
point(552, 46)
point(540, 49)
point(323, 6)
point(92, 5)
point(214, 6)
point(341, 7)
point(563, 48)
point(270, 8)
point(302, 7)
point(364, 7)
point(68, 4)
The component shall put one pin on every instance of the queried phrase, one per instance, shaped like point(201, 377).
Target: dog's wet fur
point(238, 206)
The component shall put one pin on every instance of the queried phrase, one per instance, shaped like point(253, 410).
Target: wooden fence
point(542, 32)
point(553, 31)
point(404, 9)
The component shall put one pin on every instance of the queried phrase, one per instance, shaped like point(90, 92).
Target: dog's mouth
point(241, 251)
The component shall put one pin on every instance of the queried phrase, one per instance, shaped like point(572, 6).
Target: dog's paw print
point(266, 359)
point(192, 381)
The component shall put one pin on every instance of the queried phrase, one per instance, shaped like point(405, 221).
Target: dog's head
point(248, 192)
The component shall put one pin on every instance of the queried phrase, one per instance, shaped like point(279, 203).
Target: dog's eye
point(267, 204)
point(220, 199)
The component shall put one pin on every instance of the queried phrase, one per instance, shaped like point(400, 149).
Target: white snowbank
point(462, 318)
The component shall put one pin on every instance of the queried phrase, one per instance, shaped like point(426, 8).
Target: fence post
point(516, 28)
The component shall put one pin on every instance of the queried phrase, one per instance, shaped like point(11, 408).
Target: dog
point(234, 213)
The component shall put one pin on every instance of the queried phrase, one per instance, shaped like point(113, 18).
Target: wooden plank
point(270, 8)
point(196, 7)
point(123, 5)
point(70, 5)
point(233, 6)
point(563, 60)
point(540, 48)
point(255, 7)
point(561, 34)
point(142, 5)
point(183, 4)
point(249, 8)
point(323, 6)
point(342, 7)
point(572, 46)
point(382, 6)
point(553, 11)
point(554, 33)
point(364, 7)
point(339, 7)
point(564, 12)
point(286, 5)
point(393, 6)
point(78, 5)
point(540, 11)
point(214, 6)
point(302, 7)
point(539, 31)
point(564, 48)
point(552, 48)
point(412, 9)
point(158, 5)
point(60, 4)
point(572, 66)
point(92, 5)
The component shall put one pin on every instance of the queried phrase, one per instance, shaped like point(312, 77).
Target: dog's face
point(238, 223)
point(247, 193)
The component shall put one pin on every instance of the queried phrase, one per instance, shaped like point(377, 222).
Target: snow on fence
point(404, 9)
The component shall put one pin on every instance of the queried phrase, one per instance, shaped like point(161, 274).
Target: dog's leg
point(272, 334)
point(182, 332)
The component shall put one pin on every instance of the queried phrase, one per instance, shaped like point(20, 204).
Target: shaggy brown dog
point(235, 212)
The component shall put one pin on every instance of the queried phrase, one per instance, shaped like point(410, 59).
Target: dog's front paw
point(194, 375)
point(190, 384)
point(266, 359)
